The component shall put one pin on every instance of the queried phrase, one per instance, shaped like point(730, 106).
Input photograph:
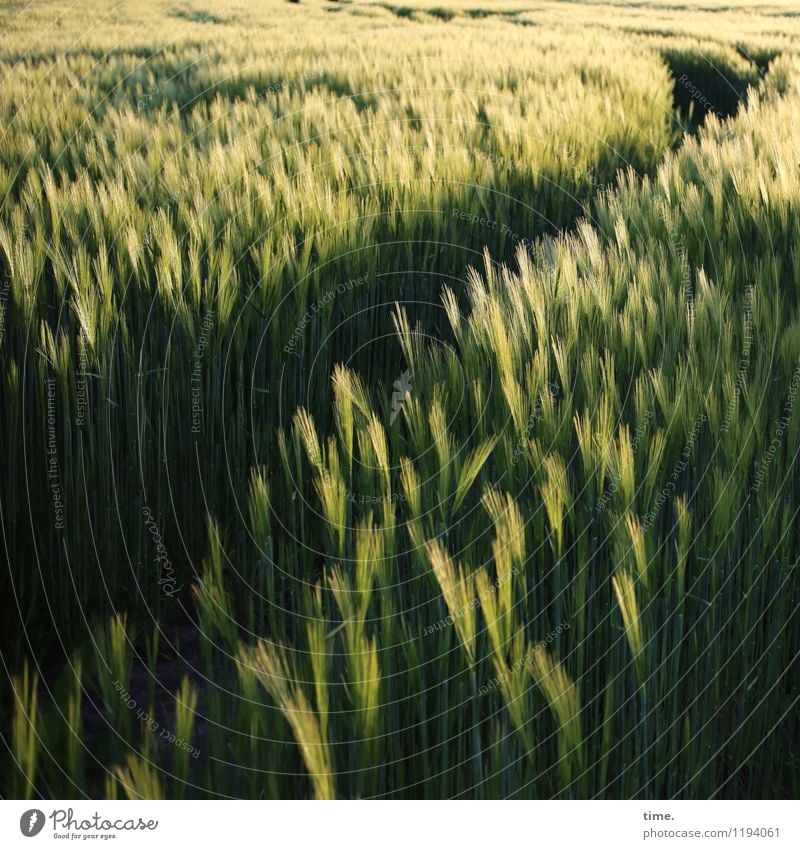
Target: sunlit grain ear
point(453, 311)
point(306, 433)
point(556, 497)
point(377, 436)
point(458, 590)
point(349, 387)
point(139, 779)
point(185, 716)
point(563, 699)
point(625, 591)
point(470, 470)
point(409, 480)
point(260, 511)
point(272, 667)
point(25, 739)
point(332, 493)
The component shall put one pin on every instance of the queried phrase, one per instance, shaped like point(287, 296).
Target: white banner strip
point(389, 824)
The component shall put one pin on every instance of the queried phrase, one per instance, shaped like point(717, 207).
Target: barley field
point(400, 401)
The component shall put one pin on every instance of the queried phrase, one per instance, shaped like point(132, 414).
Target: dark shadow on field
point(196, 16)
point(447, 14)
point(713, 84)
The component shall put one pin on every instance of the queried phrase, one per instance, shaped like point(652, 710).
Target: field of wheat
point(400, 401)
